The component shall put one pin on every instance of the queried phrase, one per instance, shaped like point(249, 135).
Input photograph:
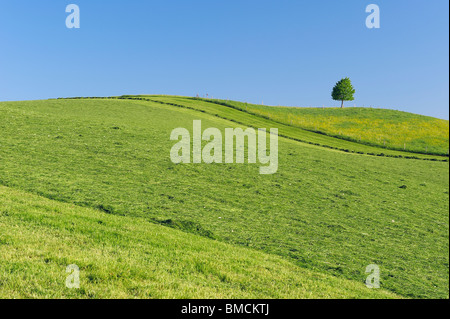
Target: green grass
point(385, 128)
point(325, 211)
point(122, 257)
point(229, 111)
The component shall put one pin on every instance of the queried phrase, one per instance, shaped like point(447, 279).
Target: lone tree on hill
point(343, 91)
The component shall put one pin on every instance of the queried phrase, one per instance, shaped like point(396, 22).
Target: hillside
point(332, 208)
point(384, 128)
point(231, 111)
point(121, 257)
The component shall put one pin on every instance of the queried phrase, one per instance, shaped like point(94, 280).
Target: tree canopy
point(343, 91)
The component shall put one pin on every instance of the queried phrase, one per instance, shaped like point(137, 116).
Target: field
point(90, 182)
point(385, 128)
point(231, 111)
point(122, 257)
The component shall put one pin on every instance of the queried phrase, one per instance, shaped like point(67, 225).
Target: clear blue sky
point(280, 52)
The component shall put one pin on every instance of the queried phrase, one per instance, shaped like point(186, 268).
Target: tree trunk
point(342, 105)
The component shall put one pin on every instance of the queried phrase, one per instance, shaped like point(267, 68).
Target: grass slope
point(123, 257)
point(227, 111)
point(325, 210)
point(379, 127)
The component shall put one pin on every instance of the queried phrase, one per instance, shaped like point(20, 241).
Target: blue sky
point(277, 52)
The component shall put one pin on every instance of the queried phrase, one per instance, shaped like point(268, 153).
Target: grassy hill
point(231, 111)
point(332, 209)
point(385, 128)
point(121, 257)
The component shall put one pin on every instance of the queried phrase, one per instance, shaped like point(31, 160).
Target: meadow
point(389, 129)
point(121, 257)
point(310, 230)
point(231, 112)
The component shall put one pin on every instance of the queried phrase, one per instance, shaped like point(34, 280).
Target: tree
point(343, 91)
